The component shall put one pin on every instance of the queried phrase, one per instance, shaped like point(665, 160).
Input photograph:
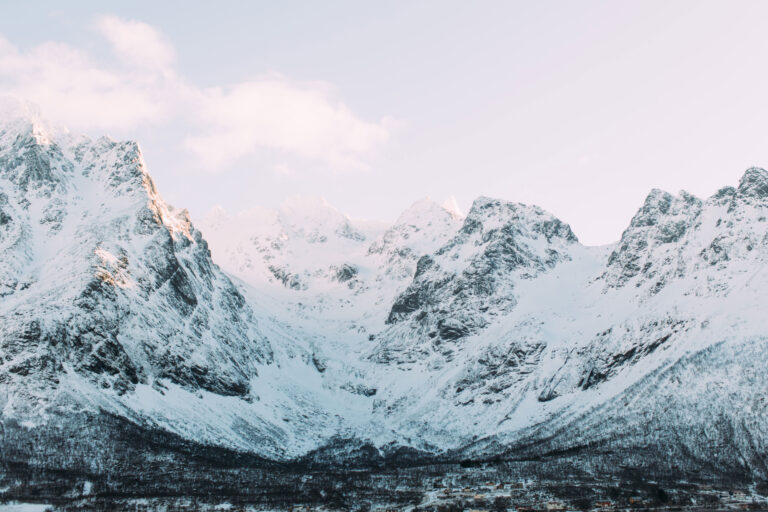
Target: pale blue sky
point(580, 107)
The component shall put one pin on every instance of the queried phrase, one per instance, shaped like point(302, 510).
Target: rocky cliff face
point(102, 277)
point(494, 334)
point(672, 238)
point(460, 288)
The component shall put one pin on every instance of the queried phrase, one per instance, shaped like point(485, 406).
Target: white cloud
point(71, 89)
point(137, 43)
point(274, 112)
point(225, 123)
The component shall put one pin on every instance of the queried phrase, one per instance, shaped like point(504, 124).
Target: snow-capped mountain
point(473, 277)
point(495, 334)
point(647, 350)
point(87, 240)
point(111, 302)
point(507, 334)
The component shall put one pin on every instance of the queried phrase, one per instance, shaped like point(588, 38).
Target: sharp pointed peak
point(452, 205)
point(754, 182)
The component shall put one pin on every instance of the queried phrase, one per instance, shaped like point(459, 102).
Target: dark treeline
point(103, 460)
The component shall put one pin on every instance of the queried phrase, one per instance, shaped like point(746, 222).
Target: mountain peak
point(452, 206)
point(421, 210)
point(657, 203)
point(754, 182)
point(23, 118)
point(484, 206)
point(492, 214)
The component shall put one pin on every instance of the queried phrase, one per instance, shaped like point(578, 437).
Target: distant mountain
point(323, 266)
point(323, 338)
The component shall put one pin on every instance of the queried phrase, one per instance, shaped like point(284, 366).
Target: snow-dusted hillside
point(493, 334)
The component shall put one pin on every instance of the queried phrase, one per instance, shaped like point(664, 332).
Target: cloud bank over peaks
point(141, 86)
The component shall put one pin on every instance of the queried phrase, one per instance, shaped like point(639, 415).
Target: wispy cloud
point(143, 86)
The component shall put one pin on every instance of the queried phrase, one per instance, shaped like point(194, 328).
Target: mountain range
point(300, 335)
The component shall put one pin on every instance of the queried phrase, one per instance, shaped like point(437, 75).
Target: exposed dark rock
point(345, 272)
point(288, 279)
point(754, 183)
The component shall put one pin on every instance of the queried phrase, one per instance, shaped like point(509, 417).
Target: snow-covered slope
point(493, 334)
